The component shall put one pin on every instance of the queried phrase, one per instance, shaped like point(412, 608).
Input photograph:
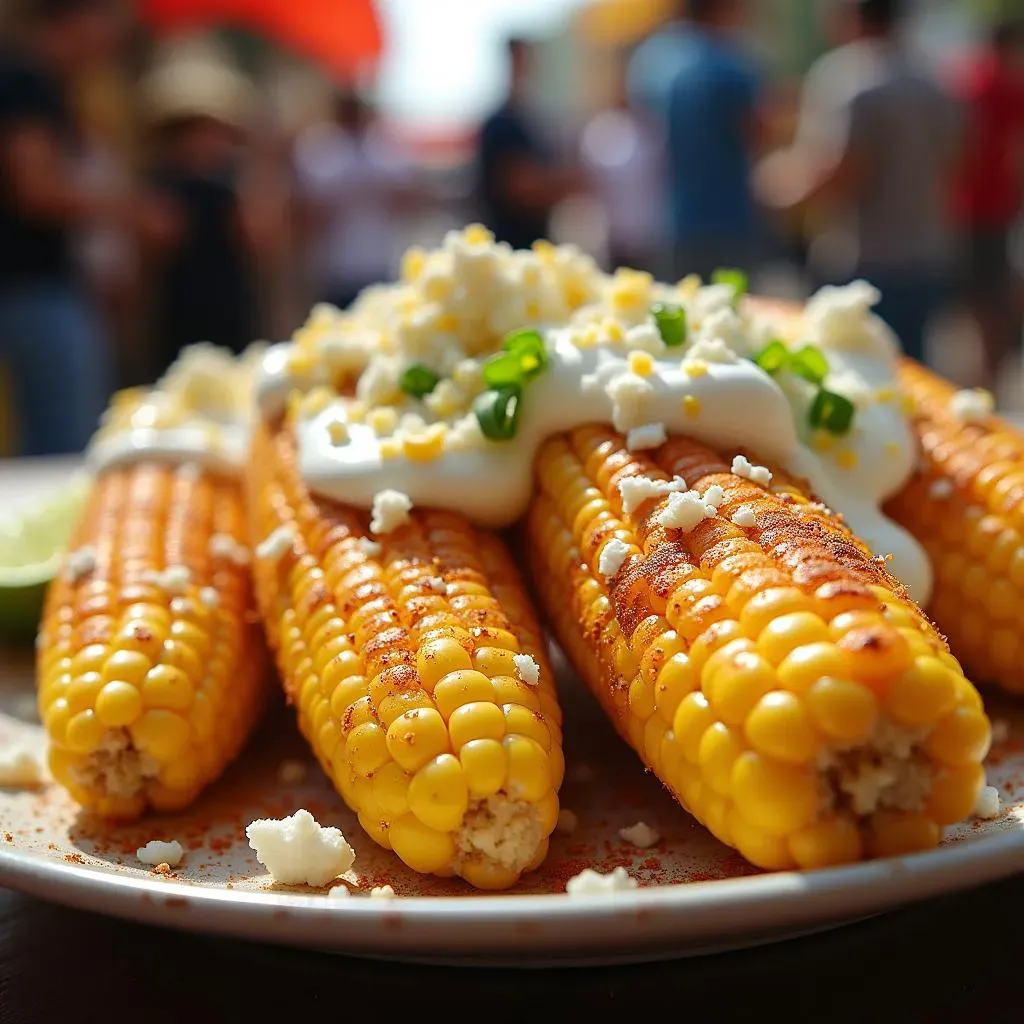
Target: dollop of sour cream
point(606, 363)
point(200, 412)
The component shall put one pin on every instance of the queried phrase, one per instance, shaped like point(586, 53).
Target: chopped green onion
point(503, 370)
point(810, 363)
point(418, 380)
point(773, 357)
point(671, 322)
point(832, 412)
point(497, 412)
point(529, 346)
point(736, 279)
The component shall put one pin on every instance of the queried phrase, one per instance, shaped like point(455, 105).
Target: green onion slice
point(497, 412)
point(736, 279)
point(418, 380)
point(529, 347)
point(503, 370)
point(831, 412)
point(773, 357)
point(810, 363)
point(671, 322)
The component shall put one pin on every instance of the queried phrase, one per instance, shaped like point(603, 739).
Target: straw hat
point(197, 80)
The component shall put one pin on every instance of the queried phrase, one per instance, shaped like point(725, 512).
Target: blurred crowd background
point(176, 171)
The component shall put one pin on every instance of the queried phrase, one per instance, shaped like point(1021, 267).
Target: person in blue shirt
point(697, 81)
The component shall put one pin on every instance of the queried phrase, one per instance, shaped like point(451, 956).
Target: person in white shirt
point(354, 184)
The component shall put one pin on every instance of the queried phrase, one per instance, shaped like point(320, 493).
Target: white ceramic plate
point(697, 896)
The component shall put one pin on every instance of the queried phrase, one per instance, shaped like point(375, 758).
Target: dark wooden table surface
point(955, 959)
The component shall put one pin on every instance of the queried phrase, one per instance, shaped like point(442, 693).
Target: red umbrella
point(343, 35)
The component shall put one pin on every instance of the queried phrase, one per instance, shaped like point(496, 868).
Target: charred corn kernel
point(762, 697)
point(402, 669)
point(691, 405)
point(641, 363)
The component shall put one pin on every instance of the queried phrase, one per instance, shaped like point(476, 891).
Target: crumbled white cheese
point(370, 548)
point(279, 543)
point(744, 516)
point(223, 545)
point(527, 669)
point(941, 489)
point(174, 579)
point(650, 435)
point(291, 772)
point(629, 393)
point(684, 511)
point(711, 350)
point(20, 769)
point(338, 892)
point(613, 554)
point(209, 596)
point(646, 337)
point(640, 835)
point(972, 405)
point(840, 318)
point(741, 466)
point(81, 562)
point(464, 435)
point(382, 892)
point(593, 883)
point(715, 496)
point(988, 803)
point(635, 490)
point(299, 849)
point(156, 851)
point(389, 511)
point(568, 822)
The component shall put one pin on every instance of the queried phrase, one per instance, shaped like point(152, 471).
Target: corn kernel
point(692, 719)
point(438, 658)
point(390, 789)
point(822, 441)
point(161, 734)
point(843, 710)
point(788, 632)
point(355, 411)
point(425, 445)
point(485, 765)
point(762, 850)
point(382, 420)
point(694, 368)
point(366, 749)
point(84, 732)
point(886, 394)
point(691, 405)
point(82, 692)
point(520, 721)
point(528, 776)
point(961, 737)
point(118, 704)
point(777, 798)
point(476, 721)
point(719, 748)
point(894, 834)
point(389, 448)
point(167, 687)
point(422, 848)
point(922, 694)
point(826, 843)
point(464, 686)
point(438, 794)
point(641, 363)
point(735, 679)
point(846, 458)
point(954, 792)
point(780, 727)
point(417, 737)
point(337, 432)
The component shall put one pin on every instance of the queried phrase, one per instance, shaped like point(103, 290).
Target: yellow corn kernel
point(788, 632)
point(366, 749)
point(425, 445)
point(479, 720)
point(167, 687)
point(719, 749)
point(438, 794)
point(895, 834)
point(390, 789)
point(822, 441)
point(846, 458)
point(337, 431)
point(417, 737)
point(777, 798)
point(835, 840)
point(694, 368)
point(465, 686)
point(843, 710)
point(356, 411)
point(424, 849)
point(735, 679)
point(118, 704)
point(954, 793)
point(485, 765)
point(438, 658)
point(161, 734)
point(922, 694)
point(382, 420)
point(693, 718)
point(413, 262)
point(389, 448)
point(691, 405)
point(780, 727)
point(961, 737)
point(82, 692)
point(84, 732)
point(528, 776)
point(641, 363)
point(885, 394)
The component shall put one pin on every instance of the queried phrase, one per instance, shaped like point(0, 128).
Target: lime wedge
point(32, 544)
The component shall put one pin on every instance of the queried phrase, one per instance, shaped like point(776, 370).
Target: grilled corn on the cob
point(965, 506)
point(418, 671)
point(773, 676)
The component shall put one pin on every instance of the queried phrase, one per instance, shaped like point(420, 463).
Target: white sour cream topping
point(704, 390)
point(200, 412)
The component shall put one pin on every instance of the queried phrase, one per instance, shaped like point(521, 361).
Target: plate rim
point(490, 926)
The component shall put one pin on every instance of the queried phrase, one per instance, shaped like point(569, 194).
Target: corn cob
point(401, 661)
point(965, 507)
point(151, 667)
point(774, 677)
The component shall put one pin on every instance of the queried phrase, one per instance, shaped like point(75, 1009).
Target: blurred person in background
point(695, 78)
point(354, 188)
point(622, 152)
point(203, 282)
point(520, 183)
point(875, 149)
point(51, 337)
point(988, 187)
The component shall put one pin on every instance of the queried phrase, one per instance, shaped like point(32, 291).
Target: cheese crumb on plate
point(390, 510)
point(593, 883)
point(157, 851)
point(20, 769)
point(640, 835)
point(299, 849)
